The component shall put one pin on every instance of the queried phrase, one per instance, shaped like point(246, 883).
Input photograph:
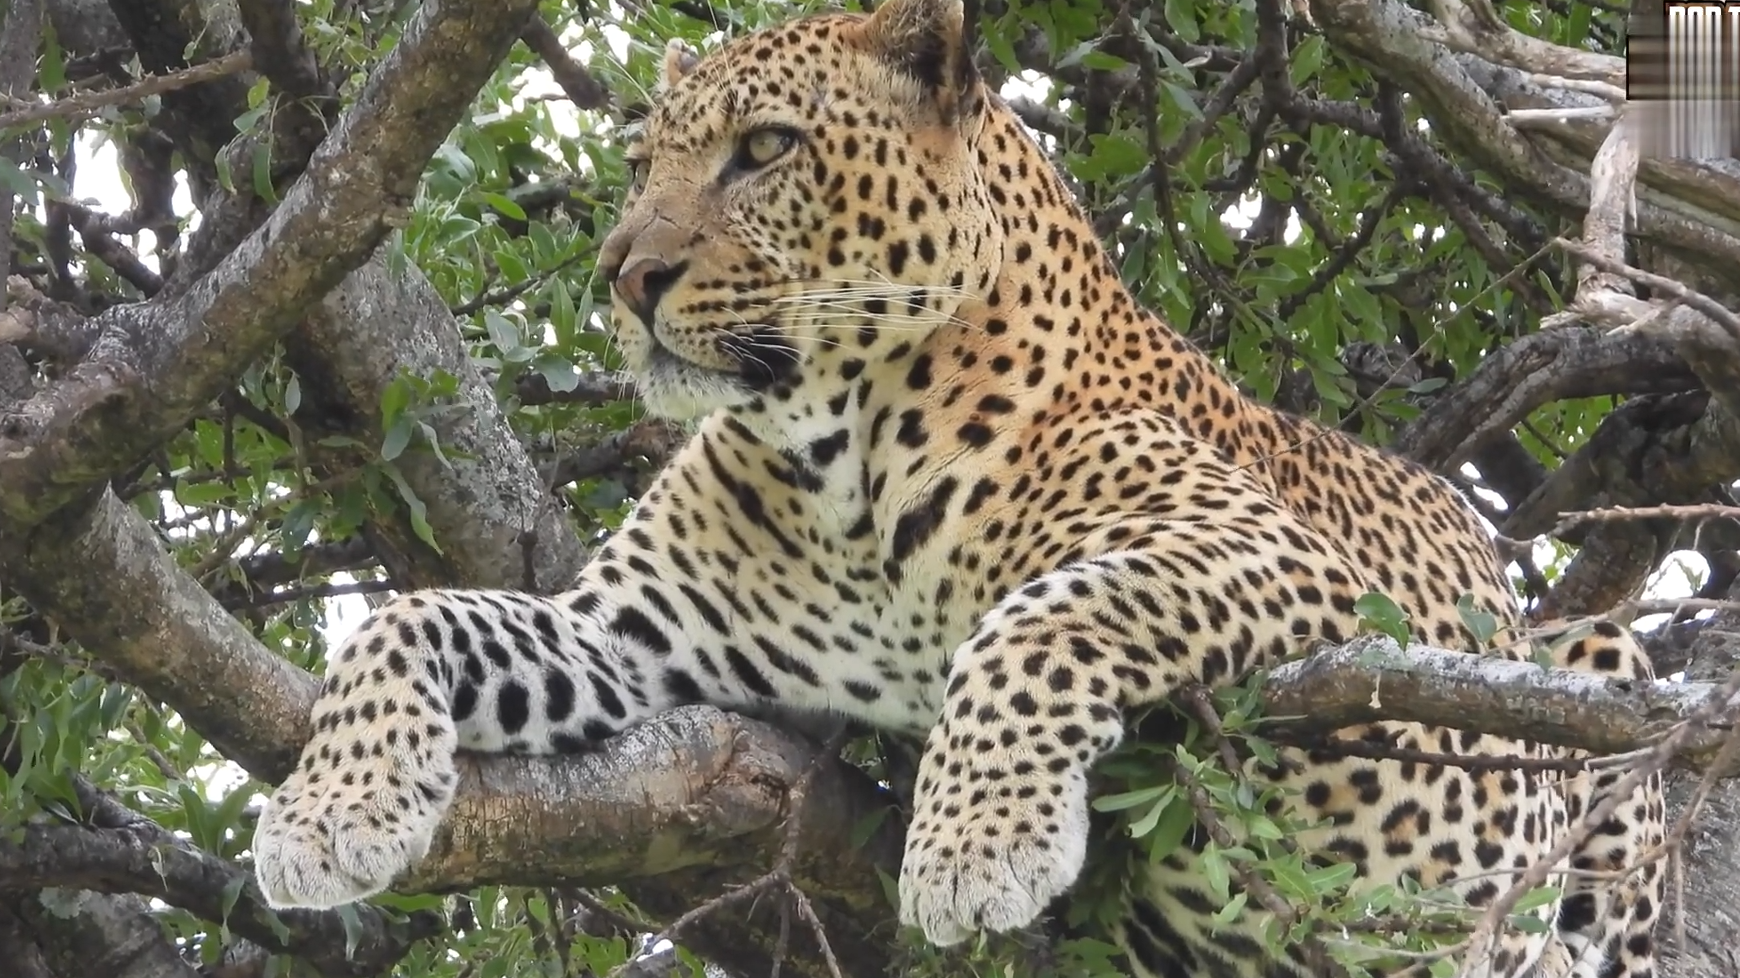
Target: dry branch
point(86, 104)
point(1371, 678)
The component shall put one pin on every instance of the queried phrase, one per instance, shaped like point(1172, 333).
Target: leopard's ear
point(680, 59)
point(927, 41)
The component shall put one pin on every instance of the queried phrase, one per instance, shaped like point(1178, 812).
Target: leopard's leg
point(666, 614)
point(1041, 690)
point(427, 673)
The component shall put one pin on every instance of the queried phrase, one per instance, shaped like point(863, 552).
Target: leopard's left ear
point(680, 59)
point(926, 40)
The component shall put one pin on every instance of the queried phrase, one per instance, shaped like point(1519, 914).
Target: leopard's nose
point(644, 281)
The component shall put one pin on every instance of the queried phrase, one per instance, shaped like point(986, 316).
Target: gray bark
point(1701, 923)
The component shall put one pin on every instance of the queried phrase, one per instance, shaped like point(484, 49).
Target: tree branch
point(144, 859)
point(86, 104)
point(582, 89)
point(494, 520)
point(1371, 679)
point(1511, 382)
point(158, 363)
point(275, 43)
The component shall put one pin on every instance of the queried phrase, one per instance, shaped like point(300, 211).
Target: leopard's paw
point(325, 848)
point(993, 867)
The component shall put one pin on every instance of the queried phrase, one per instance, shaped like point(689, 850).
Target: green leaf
point(512, 267)
point(1538, 897)
point(1307, 58)
point(866, 827)
point(1118, 155)
point(202, 494)
point(226, 178)
point(1329, 878)
point(1381, 612)
point(1227, 914)
point(394, 400)
point(505, 204)
point(292, 394)
point(1101, 61)
point(1482, 625)
point(558, 373)
point(1216, 872)
point(504, 334)
point(1172, 826)
point(353, 929)
point(51, 76)
point(397, 438)
point(247, 120)
point(21, 184)
point(231, 893)
point(262, 172)
point(1528, 924)
point(564, 317)
point(1131, 799)
point(1183, 98)
point(1181, 16)
point(419, 512)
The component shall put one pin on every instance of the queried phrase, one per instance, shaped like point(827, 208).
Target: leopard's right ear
point(680, 59)
point(927, 41)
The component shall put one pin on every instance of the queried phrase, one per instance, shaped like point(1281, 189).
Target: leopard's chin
point(678, 390)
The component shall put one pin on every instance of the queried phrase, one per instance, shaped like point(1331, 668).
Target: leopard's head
point(804, 201)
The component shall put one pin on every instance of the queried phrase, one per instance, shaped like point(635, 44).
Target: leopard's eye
point(637, 169)
point(763, 146)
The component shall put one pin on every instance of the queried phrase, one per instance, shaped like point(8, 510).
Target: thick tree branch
point(625, 816)
point(581, 87)
point(144, 859)
point(1538, 369)
point(275, 42)
point(494, 521)
point(1463, 96)
point(158, 363)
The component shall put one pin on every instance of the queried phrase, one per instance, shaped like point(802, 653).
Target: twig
point(100, 243)
point(1549, 118)
point(1697, 511)
point(1612, 93)
point(307, 592)
point(1197, 698)
point(1659, 283)
point(86, 104)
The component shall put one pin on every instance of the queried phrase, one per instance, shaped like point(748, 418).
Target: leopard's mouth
point(765, 356)
point(757, 356)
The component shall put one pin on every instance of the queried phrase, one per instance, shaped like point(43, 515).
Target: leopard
point(948, 478)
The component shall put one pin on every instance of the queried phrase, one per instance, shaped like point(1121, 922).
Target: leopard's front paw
point(327, 844)
point(993, 864)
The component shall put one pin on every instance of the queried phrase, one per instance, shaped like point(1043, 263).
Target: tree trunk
point(1701, 925)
